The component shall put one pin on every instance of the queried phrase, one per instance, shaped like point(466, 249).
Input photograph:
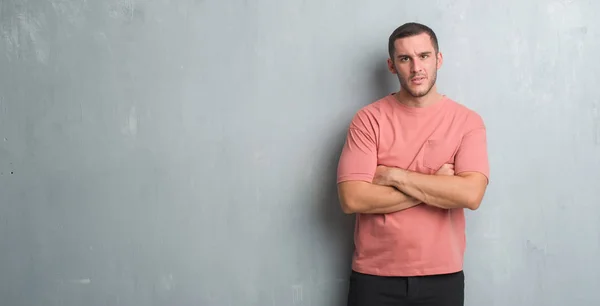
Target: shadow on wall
point(384, 82)
point(337, 227)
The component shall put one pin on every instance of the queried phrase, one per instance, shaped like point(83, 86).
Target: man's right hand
point(446, 169)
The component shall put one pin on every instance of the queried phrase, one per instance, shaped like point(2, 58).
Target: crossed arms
point(367, 198)
point(395, 189)
point(368, 188)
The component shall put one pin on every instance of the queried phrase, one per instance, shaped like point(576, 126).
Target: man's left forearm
point(440, 190)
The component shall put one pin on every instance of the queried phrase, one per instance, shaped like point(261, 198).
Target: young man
point(412, 162)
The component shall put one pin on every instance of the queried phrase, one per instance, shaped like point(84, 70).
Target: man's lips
point(418, 80)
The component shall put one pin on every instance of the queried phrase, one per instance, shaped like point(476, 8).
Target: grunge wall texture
point(183, 152)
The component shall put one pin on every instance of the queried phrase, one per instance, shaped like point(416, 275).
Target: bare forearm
point(439, 190)
point(405, 204)
point(367, 198)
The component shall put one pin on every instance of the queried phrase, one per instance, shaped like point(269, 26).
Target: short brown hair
point(411, 29)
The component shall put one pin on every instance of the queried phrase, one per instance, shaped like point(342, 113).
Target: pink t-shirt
point(422, 240)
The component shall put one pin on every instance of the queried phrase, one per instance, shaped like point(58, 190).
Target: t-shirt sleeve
point(358, 160)
point(472, 154)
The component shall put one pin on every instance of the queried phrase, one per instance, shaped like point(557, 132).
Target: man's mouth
point(418, 80)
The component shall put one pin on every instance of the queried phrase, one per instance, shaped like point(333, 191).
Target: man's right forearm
point(367, 198)
point(402, 205)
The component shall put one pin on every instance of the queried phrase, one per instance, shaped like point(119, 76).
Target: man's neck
point(431, 98)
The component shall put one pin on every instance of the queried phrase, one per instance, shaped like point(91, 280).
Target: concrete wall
point(183, 152)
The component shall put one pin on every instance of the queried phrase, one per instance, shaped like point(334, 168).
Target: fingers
point(446, 169)
point(448, 166)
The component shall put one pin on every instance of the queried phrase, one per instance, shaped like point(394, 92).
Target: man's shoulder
point(367, 117)
point(374, 108)
point(471, 116)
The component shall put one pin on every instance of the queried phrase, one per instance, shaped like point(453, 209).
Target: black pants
point(435, 290)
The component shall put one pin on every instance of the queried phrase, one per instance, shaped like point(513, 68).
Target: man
point(412, 162)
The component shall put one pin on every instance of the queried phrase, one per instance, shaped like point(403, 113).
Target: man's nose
point(416, 66)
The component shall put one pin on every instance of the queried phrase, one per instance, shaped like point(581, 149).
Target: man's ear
point(391, 66)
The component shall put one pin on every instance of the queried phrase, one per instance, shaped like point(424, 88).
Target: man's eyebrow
point(421, 54)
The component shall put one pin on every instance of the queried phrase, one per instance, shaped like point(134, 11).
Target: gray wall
point(183, 152)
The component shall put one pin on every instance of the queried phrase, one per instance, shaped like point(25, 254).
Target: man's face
point(415, 63)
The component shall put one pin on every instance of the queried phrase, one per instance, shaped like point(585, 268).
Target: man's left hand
point(388, 176)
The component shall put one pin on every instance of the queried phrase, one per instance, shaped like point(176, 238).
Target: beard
point(421, 92)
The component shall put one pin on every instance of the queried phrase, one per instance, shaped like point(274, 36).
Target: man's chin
point(418, 94)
